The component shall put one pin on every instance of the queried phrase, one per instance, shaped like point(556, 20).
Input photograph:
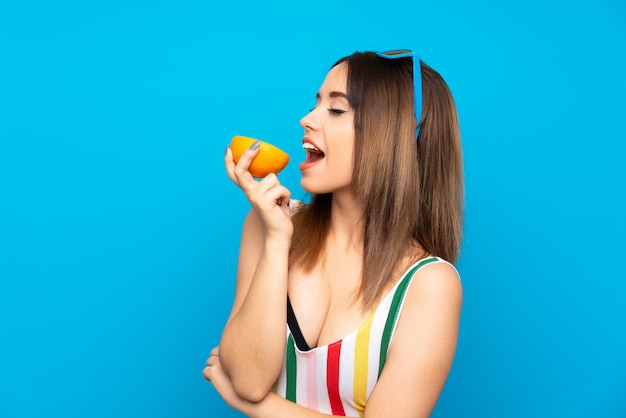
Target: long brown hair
point(408, 192)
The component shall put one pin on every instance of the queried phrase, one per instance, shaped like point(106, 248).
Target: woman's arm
point(422, 350)
point(253, 341)
point(271, 406)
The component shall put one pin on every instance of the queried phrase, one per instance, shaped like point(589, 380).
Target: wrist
point(277, 242)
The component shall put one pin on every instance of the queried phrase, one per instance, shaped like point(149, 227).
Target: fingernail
point(255, 145)
point(226, 150)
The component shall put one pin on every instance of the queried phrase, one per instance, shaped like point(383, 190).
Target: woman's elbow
point(249, 390)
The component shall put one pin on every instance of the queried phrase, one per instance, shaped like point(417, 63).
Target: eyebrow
point(333, 94)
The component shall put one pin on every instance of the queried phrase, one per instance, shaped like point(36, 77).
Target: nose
point(308, 121)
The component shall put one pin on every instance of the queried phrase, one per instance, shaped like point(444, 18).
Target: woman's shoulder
point(431, 282)
point(435, 287)
point(437, 273)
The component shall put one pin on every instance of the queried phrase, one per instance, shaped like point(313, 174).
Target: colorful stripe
point(332, 378)
point(361, 363)
point(290, 358)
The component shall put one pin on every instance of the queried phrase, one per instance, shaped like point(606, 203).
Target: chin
point(311, 188)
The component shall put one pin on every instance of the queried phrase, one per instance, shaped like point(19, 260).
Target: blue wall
point(119, 228)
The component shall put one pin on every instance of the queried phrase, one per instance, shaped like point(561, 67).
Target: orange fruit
point(270, 159)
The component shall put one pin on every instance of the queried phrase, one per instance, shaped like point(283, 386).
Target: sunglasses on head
point(417, 79)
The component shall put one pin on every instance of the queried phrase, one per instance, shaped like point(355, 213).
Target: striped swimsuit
point(339, 378)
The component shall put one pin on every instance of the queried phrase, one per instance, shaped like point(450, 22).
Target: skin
point(421, 353)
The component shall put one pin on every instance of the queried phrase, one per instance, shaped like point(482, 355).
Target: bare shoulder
point(437, 281)
point(432, 301)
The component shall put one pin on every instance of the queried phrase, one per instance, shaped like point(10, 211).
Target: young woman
point(348, 305)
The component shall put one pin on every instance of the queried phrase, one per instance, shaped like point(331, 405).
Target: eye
point(337, 111)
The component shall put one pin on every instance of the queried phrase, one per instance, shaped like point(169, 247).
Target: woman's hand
point(214, 373)
point(269, 199)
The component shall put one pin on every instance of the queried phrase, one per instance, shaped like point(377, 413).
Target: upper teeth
point(310, 146)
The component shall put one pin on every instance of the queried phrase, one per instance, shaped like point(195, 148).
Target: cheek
point(344, 162)
point(348, 148)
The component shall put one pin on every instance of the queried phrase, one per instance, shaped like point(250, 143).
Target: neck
point(346, 228)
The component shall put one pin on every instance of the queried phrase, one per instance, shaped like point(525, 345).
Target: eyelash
point(333, 111)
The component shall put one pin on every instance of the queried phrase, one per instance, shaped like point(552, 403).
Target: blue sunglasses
point(417, 79)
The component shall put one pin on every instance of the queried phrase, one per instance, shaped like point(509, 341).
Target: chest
point(325, 301)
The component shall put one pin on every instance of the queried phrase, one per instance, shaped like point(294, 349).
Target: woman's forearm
point(253, 342)
point(270, 406)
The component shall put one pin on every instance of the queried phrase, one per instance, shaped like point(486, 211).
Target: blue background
point(119, 228)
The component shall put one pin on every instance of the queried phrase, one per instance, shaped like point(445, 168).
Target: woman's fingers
point(269, 191)
point(230, 164)
point(210, 362)
point(238, 172)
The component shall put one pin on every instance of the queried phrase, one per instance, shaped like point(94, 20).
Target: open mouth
point(312, 153)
